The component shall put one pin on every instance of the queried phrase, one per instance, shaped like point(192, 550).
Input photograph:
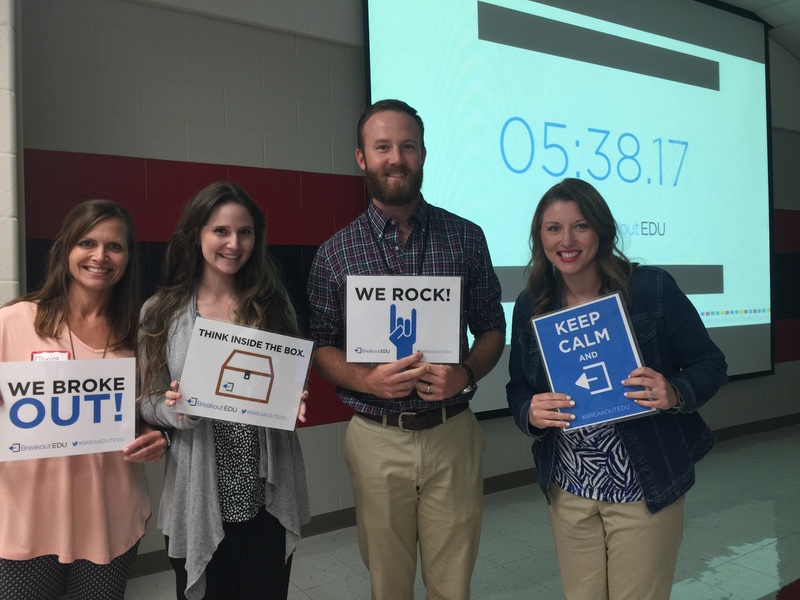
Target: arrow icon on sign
point(584, 381)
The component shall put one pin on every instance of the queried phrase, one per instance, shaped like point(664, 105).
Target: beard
point(389, 192)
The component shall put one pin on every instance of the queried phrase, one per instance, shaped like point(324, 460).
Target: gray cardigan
point(189, 512)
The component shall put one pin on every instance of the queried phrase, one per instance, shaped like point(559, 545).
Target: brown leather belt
point(418, 421)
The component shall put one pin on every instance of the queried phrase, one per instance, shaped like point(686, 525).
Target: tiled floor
point(741, 542)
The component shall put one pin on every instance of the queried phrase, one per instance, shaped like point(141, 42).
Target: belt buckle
point(400, 420)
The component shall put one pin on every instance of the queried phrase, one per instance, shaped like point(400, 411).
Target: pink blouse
point(93, 506)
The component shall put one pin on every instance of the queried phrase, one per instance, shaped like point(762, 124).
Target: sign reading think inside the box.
point(242, 374)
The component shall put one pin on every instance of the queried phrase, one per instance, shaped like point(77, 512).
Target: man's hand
point(394, 380)
point(441, 382)
point(390, 380)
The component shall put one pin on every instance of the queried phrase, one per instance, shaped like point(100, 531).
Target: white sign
point(64, 408)
point(242, 374)
point(390, 317)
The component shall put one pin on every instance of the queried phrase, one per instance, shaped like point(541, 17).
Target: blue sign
point(587, 351)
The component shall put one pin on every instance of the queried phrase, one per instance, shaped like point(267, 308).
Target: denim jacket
point(663, 447)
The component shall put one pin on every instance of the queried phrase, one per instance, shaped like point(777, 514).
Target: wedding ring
point(428, 391)
point(652, 395)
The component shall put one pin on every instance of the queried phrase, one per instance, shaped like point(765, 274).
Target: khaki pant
point(615, 550)
point(409, 486)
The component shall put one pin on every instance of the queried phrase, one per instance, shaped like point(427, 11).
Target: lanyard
point(425, 241)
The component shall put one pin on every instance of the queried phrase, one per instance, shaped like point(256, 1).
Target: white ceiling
point(782, 15)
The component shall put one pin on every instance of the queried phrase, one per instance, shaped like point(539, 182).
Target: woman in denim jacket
point(615, 491)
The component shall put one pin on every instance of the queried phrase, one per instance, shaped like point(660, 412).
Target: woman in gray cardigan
point(234, 495)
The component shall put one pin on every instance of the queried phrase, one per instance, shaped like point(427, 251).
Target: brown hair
point(51, 299)
point(264, 300)
point(390, 105)
point(544, 280)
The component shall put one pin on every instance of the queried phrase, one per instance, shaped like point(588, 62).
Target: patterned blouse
point(592, 462)
point(241, 489)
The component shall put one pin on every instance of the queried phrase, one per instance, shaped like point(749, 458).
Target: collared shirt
point(441, 244)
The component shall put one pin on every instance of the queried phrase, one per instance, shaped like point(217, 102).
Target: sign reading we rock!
point(243, 374)
point(65, 408)
point(390, 317)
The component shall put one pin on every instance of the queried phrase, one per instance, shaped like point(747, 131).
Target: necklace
point(571, 299)
point(72, 344)
point(234, 311)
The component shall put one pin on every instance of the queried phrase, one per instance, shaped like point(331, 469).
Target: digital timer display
point(621, 156)
point(662, 106)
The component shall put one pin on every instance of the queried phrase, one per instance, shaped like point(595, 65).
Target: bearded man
point(413, 447)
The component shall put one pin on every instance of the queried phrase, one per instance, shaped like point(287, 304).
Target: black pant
point(44, 578)
point(248, 564)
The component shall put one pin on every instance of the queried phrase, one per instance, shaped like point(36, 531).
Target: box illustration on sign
point(246, 376)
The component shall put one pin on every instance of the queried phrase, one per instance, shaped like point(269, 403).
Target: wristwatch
point(471, 386)
point(166, 436)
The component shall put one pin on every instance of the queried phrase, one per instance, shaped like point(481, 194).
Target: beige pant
point(409, 486)
point(615, 550)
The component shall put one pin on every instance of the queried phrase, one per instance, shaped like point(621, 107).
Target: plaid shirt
point(440, 243)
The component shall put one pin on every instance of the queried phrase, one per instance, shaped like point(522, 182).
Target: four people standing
point(235, 495)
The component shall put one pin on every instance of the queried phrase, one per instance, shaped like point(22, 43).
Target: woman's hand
point(173, 395)
point(148, 447)
point(657, 392)
point(301, 412)
point(545, 410)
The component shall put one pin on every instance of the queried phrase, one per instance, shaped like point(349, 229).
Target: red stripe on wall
point(787, 334)
point(323, 405)
point(785, 227)
point(301, 208)
point(57, 181)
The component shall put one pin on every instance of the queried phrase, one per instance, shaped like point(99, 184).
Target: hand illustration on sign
point(402, 332)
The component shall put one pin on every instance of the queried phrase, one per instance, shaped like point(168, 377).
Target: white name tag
point(50, 355)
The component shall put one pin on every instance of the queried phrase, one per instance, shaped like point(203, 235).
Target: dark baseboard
point(154, 562)
point(149, 563)
point(338, 519)
point(509, 481)
point(729, 433)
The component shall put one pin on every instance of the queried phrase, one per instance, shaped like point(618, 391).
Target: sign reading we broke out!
point(65, 408)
